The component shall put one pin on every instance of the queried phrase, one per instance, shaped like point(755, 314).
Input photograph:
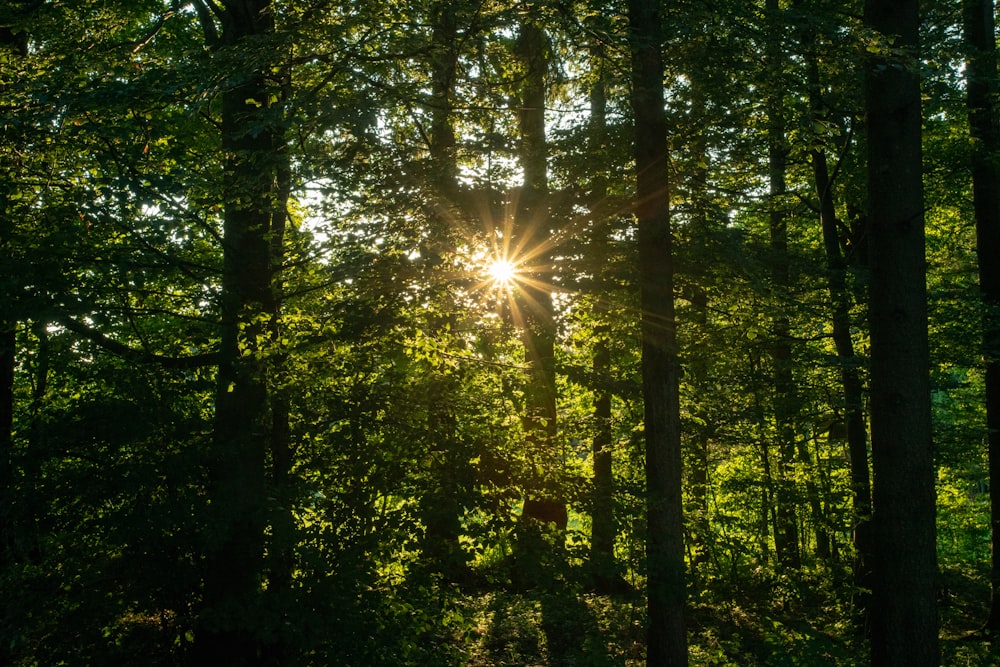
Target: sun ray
point(502, 272)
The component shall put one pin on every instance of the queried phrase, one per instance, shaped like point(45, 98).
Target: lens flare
point(502, 272)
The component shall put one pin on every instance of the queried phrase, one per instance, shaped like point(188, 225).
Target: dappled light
point(466, 334)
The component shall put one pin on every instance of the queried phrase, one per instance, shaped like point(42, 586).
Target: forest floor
point(799, 620)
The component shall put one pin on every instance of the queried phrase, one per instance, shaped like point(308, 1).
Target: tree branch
point(132, 354)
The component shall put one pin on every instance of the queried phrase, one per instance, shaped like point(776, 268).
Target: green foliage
point(393, 533)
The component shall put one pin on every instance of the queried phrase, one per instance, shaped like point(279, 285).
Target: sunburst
point(502, 272)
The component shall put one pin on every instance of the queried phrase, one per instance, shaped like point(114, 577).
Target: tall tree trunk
point(666, 636)
point(904, 623)
point(602, 536)
point(444, 69)
point(441, 509)
point(533, 295)
point(8, 346)
point(281, 546)
point(849, 364)
point(982, 88)
point(13, 45)
point(786, 533)
point(699, 365)
point(229, 631)
point(701, 436)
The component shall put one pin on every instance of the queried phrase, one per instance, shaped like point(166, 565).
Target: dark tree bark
point(444, 69)
point(701, 437)
point(699, 365)
point(666, 636)
point(13, 44)
point(982, 88)
point(532, 295)
point(786, 532)
point(281, 546)
point(849, 364)
point(441, 505)
point(8, 345)
point(252, 142)
point(904, 623)
point(602, 518)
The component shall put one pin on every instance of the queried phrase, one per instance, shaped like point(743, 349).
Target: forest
point(499, 332)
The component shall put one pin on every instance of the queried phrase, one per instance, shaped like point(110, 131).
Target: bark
point(281, 547)
point(700, 439)
point(602, 536)
point(442, 503)
point(8, 364)
point(786, 534)
point(444, 68)
point(533, 296)
point(666, 636)
point(768, 510)
point(904, 613)
point(13, 44)
point(8, 343)
point(982, 88)
point(699, 365)
point(849, 364)
point(228, 631)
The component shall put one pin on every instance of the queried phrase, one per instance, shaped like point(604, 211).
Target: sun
point(502, 272)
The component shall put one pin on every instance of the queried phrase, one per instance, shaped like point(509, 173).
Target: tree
point(13, 47)
point(252, 141)
point(666, 632)
point(602, 535)
point(904, 609)
point(786, 533)
point(837, 273)
point(533, 298)
point(982, 88)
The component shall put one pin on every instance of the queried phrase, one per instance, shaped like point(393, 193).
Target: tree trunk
point(533, 296)
point(666, 636)
point(786, 534)
point(441, 505)
point(904, 612)
point(8, 345)
point(281, 546)
point(699, 364)
point(849, 364)
point(13, 44)
point(982, 88)
point(229, 631)
point(700, 438)
point(602, 536)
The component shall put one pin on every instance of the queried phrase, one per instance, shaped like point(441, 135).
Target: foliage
point(392, 528)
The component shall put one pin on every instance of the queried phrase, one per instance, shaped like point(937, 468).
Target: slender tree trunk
point(602, 537)
point(850, 375)
point(786, 533)
point(278, 650)
point(982, 88)
point(666, 636)
point(8, 346)
point(12, 45)
point(8, 343)
point(442, 503)
point(699, 364)
point(444, 69)
point(533, 296)
point(700, 438)
point(904, 611)
point(229, 630)
point(8, 365)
